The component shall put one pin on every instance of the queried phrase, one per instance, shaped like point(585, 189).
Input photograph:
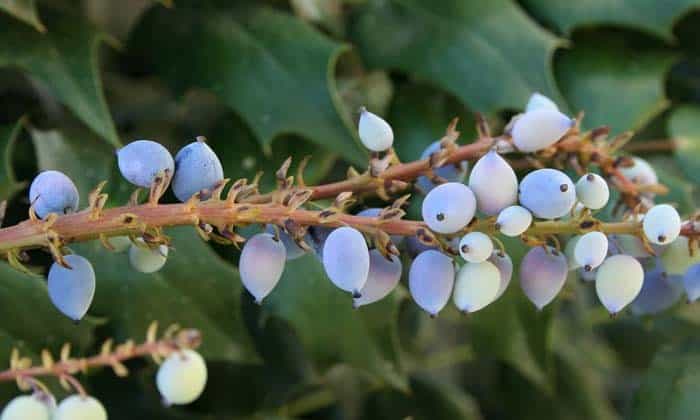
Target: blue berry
point(71, 289)
point(449, 207)
point(430, 280)
point(547, 193)
point(140, 162)
point(542, 275)
point(197, 168)
point(53, 192)
point(346, 259)
point(261, 264)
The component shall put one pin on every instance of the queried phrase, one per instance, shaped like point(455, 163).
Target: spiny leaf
point(273, 70)
point(615, 83)
point(653, 16)
point(489, 64)
point(64, 60)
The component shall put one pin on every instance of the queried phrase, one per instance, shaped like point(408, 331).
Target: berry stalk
point(21, 368)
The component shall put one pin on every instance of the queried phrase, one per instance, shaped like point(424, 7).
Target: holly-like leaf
point(195, 289)
point(670, 388)
point(242, 156)
point(652, 16)
point(8, 181)
point(489, 64)
point(24, 10)
point(330, 329)
point(65, 61)
point(273, 70)
point(30, 322)
point(616, 84)
point(684, 127)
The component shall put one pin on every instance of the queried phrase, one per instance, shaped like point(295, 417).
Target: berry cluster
point(645, 259)
point(180, 379)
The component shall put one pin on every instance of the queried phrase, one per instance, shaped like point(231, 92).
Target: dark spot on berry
point(587, 268)
point(497, 226)
point(563, 188)
point(590, 177)
point(440, 217)
point(356, 294)
point(465, 249)
point(661, 238)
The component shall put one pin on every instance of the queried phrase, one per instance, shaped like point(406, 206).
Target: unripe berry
point(80, 407)
point(37, 406)
point(197, 168)
point(375, 133)
point(182, 377)
point(146, 259)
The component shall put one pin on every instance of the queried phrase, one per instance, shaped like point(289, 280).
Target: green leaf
point(65, 61)
point(670, 388)
point(242, 156)
point(29, 321)
point(273, 70)
point(652, 16)
point(451, 44)
point(195, 289)
point(616, 84)
point(430, 398)
point(513, 331)
point(684, 127)
point(8, 181)
point(24, 10)
point(330, 329)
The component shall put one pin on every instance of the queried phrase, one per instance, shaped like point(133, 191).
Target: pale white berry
point(618, 282)
point(28, 407)
point(539, 101)
point(346, 259)
point(542, 275)
point(475, 247)
point(449, 207)
point(375, 133)
point(430, 280)
point(569, 251)
point(80, 407)
point(384, 275)
point(592, 191)
point(504, 264)
point(539, 129)
point(145, 259)
point(494, 183)
point(591, 250)
point(676, 257)
point(261, 264)
point(662, 224)
point(182, 377)
point(641, 172)
point(477, 285)
point(513, 220)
